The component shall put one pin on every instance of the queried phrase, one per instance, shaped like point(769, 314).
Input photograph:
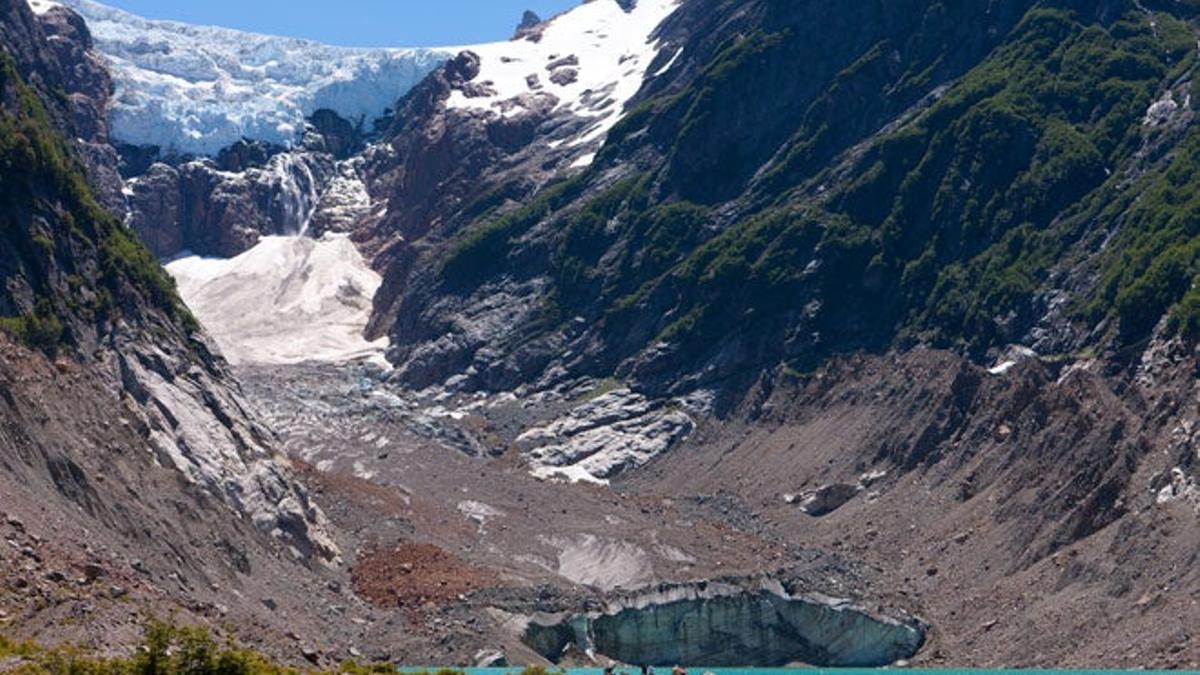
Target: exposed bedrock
point(720, 624)
point(223, 205)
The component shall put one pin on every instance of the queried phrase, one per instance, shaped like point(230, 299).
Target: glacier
point(196, 89)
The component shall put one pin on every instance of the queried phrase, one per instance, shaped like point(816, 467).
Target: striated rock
point(204, 431)
point(601, 439)
point(490, 658)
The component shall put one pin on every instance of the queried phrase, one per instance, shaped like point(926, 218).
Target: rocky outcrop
point(597, 440)
point(155, 209)
point(332, 134)
point(529, 23)
point(197, 423)
point(201, 207)
point(435, 156)
point(77, 288)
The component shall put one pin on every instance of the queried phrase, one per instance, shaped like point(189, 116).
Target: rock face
point(724, 625)
point(827, 499)
point(595, 441)
point(221, 206)
point(55, 49)
point(77, 288)
point(201, 207)
point(579, 265)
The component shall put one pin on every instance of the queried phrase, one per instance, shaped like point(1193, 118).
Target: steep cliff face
point(912, 282)
point(121, 424)
point(721, 229)
point(942, 245)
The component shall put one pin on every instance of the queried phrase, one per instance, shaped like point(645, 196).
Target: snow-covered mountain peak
point(593, 59)
point(198, 89)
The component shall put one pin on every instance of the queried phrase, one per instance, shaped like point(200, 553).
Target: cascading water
point(298, 192)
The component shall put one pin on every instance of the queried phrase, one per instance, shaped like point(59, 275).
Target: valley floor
point(970, 539)
point(447, 539)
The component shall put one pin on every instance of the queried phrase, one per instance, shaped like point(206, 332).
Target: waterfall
point(298, 193)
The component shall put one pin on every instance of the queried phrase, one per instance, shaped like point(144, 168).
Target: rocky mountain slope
point(847, 334)
point(132, 469)
point(994, 185)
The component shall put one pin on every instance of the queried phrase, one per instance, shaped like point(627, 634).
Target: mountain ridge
point(883, 313)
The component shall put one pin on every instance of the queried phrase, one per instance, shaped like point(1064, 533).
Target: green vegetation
point(600, 388)
point(951, 221)
point(980, 177)
point(40, 180)
point(40, 329)
point(943, 230)
point(1150, 266)
point(483, 252)
point(167, 650)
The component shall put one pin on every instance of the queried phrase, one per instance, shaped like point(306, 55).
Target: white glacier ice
point(197, 89)
point(287, 300)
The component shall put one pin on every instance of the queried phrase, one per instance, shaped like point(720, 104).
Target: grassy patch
point(600, 388)
point(169, 650)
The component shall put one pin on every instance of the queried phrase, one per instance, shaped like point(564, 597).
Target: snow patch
point(606, 564)
point(1012, 356)
point(608, 49)
point(197, 89)
point(287, 300)
point(42, 6)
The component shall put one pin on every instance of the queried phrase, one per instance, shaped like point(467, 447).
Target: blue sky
point(357, 23)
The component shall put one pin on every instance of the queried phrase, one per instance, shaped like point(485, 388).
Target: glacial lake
point(793, 671)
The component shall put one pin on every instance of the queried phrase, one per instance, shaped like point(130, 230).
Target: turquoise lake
point(789, 671)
